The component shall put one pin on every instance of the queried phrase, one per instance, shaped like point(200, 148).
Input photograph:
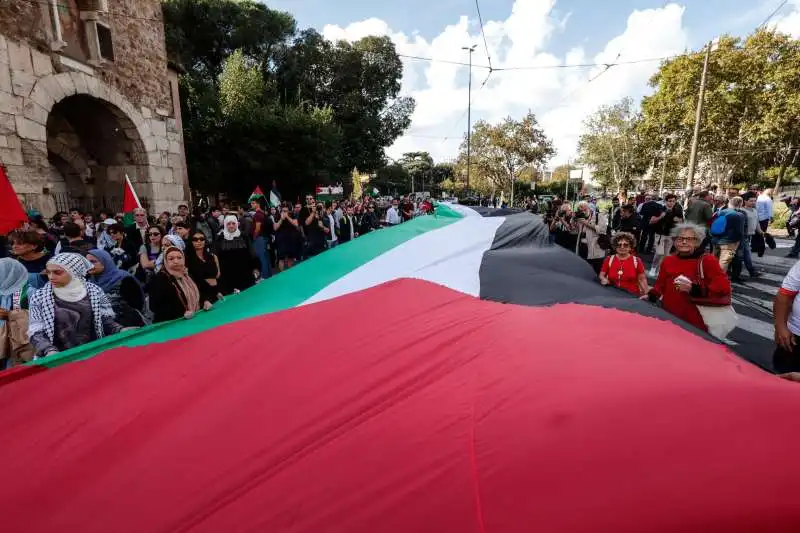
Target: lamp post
point(469, 49)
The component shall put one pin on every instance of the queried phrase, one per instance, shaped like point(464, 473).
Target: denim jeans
point(260, 246)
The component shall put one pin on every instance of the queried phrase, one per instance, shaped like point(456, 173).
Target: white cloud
point(790, 23)
point(560, 97)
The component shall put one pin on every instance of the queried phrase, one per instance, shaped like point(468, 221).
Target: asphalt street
point(752, 300)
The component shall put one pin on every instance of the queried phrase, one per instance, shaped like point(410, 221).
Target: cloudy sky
point(537, 40)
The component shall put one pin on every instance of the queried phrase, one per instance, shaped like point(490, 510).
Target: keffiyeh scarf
point(43, 310)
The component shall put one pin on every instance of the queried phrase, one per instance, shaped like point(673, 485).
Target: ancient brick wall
point(139, 70)
point(140, 66)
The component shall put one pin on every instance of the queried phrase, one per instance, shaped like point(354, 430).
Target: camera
point(580, 215)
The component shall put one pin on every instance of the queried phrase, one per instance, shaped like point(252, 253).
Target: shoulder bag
point(717, 311)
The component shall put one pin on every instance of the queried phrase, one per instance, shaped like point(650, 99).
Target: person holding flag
point(262, 231)
point(136, 223)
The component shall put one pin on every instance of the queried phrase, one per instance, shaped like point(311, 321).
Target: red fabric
point(678, 303)
point(12, 215)
point(257, 191)
point(453, 415)
point(129, 198)
point(631, 268)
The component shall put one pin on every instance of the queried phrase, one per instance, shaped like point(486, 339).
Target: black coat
point(344, 229)
point(134, 236)
point(164, 300)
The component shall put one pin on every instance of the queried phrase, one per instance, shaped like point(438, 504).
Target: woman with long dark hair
point(203, 265)
point(148, 254)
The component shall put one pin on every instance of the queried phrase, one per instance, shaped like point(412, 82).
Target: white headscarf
point(177, 242)
point(229, 236)
point(78, 267)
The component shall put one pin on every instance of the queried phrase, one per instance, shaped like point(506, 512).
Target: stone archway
point(93, 145)
point(80, 137)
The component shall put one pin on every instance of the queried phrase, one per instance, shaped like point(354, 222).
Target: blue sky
point(527, 33)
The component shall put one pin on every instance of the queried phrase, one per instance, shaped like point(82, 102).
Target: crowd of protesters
point(83, 276)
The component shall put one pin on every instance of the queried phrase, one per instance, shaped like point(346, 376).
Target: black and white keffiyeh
point(42, 315)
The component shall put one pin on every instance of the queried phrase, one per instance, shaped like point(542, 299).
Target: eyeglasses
point(685, 239)
point(198, 239)
point(623, 245)
point(156, 234)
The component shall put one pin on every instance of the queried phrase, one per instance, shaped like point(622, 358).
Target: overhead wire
point(774, 12)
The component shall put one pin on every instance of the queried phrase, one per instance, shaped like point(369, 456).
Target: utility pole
point(697, 118)
point(566, 186)
point(469, 49)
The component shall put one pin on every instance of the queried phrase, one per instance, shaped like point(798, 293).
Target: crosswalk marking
point(761, 328)
point(769, 276)
point(767, 289)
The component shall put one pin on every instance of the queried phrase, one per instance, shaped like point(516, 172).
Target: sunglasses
point(156, 234)
point(198, 239)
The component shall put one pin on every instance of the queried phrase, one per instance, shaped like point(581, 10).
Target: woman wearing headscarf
point(169, 241)
point(173, 293)
point(121, 288)
point(203, 266)
point(238, 265)
point(13, 313)
point(69, 311)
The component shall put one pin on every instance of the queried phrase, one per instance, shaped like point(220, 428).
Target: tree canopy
point(751, 113)
point(262, 100)
point(502, 153)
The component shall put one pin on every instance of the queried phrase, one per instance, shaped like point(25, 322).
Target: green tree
point(750, 120)
point(261, 101)
point(241, 87)
point(561, 172)
point(611, 145)
point(499, 153)
point(419, 166)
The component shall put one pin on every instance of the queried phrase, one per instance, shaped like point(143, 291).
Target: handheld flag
point(130, 201)
point(257, 194)
point(12, 215)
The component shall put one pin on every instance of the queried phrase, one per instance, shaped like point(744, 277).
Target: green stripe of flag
point(289, 289)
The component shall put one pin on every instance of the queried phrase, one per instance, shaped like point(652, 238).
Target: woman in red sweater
point(680, 280)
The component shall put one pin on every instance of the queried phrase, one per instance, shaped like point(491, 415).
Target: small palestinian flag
point(454, 373)
point(130, 202)
point(258, 194)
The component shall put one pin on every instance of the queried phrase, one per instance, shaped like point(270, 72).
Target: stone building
point(86, 98)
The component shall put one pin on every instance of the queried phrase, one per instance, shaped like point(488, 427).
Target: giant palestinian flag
point(451, 374)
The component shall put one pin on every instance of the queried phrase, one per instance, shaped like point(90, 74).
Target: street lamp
point(469, 49)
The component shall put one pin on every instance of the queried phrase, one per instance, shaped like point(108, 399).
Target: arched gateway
point(83, 137)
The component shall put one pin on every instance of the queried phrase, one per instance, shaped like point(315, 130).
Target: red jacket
point(715, 282)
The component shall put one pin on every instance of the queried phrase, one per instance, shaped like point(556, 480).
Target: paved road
point(752, 300)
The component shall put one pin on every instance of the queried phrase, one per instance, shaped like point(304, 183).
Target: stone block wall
point(32, 82)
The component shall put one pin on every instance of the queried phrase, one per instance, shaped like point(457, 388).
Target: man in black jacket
point(136, 233)
point(347, 226)
point(629, 221)
point(649, 212)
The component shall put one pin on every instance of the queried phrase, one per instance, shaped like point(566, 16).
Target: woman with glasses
point(690, 278)
point(624, 270)
point(148, 253)
point(203, 266)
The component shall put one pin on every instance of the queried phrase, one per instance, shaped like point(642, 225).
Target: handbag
point(770, 241)
point(603, 239)
point(717, 312)
point(20, 348)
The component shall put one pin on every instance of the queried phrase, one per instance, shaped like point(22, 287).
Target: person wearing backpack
point(728, 230)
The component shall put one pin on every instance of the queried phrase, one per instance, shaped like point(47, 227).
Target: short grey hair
point(582, 204)
point(698, 230)
point(735, 202)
